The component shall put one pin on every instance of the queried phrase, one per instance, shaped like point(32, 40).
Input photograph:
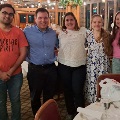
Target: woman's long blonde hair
point(105, 35)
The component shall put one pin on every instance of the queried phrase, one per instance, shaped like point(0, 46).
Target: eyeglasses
point(6, 13)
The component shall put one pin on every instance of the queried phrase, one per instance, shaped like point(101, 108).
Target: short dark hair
point(41, 10)
point(6, 5)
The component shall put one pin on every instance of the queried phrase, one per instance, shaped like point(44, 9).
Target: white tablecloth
point(113, 112)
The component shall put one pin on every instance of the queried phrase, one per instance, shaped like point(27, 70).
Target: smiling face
point(70, 22)
point(42, 20)
point(6, 15)
point(97, 23)
point(117, 20)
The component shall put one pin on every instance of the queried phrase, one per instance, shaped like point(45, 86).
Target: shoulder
point(83, 29)
point(88, 33)
point(17, 30)
point(51, 30)
point(29, 28)
point(58, 29)
point(106, 33)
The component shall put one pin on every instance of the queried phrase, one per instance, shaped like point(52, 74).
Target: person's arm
point(86, 42)
point(6, 75)
point(56, 46)
point(56, 28)
point(21, 58)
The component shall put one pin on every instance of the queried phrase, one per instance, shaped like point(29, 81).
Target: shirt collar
point(47, 29)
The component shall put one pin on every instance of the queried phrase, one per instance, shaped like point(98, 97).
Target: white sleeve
point(83, 30)
point(55, 27)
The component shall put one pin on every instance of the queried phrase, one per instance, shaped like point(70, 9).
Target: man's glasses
point(6, 13)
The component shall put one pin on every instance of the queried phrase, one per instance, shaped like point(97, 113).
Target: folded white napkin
point(24, 66)
point(89, 112)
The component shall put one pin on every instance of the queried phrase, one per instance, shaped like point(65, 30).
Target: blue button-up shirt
point(41, 45)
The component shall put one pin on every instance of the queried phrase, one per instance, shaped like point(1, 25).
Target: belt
point(42, 66)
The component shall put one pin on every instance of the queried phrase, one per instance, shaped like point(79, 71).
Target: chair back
point(102, 77)
point(48, 111)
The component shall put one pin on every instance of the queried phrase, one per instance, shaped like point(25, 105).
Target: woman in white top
point(72, 63)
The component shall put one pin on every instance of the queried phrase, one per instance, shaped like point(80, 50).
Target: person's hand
point(56, 52)
point(4, 76)
point(10, 72)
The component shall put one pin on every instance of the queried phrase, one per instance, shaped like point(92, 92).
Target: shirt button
point(45, 54)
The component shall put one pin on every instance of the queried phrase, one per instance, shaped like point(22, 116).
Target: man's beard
point(7, 24)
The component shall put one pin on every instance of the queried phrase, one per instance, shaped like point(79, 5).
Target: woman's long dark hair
point(76, 23)
point(115, 30)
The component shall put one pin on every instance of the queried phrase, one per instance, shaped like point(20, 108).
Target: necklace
point(98, 39)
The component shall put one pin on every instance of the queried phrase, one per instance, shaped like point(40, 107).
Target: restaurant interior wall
point(106, 9)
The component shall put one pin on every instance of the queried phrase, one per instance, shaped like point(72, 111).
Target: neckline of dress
point(95, 40)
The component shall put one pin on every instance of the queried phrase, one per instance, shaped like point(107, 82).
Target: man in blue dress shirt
point(42, 72)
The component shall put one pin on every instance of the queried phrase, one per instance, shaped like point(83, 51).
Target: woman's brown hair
point(105, 35)
point(115, 29)
point(106, 41)
point(76, 23)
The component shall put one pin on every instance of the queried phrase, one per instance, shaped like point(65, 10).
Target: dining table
point(98, 111)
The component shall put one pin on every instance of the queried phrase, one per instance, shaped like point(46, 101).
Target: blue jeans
point(13, 87)
point(116, 65)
